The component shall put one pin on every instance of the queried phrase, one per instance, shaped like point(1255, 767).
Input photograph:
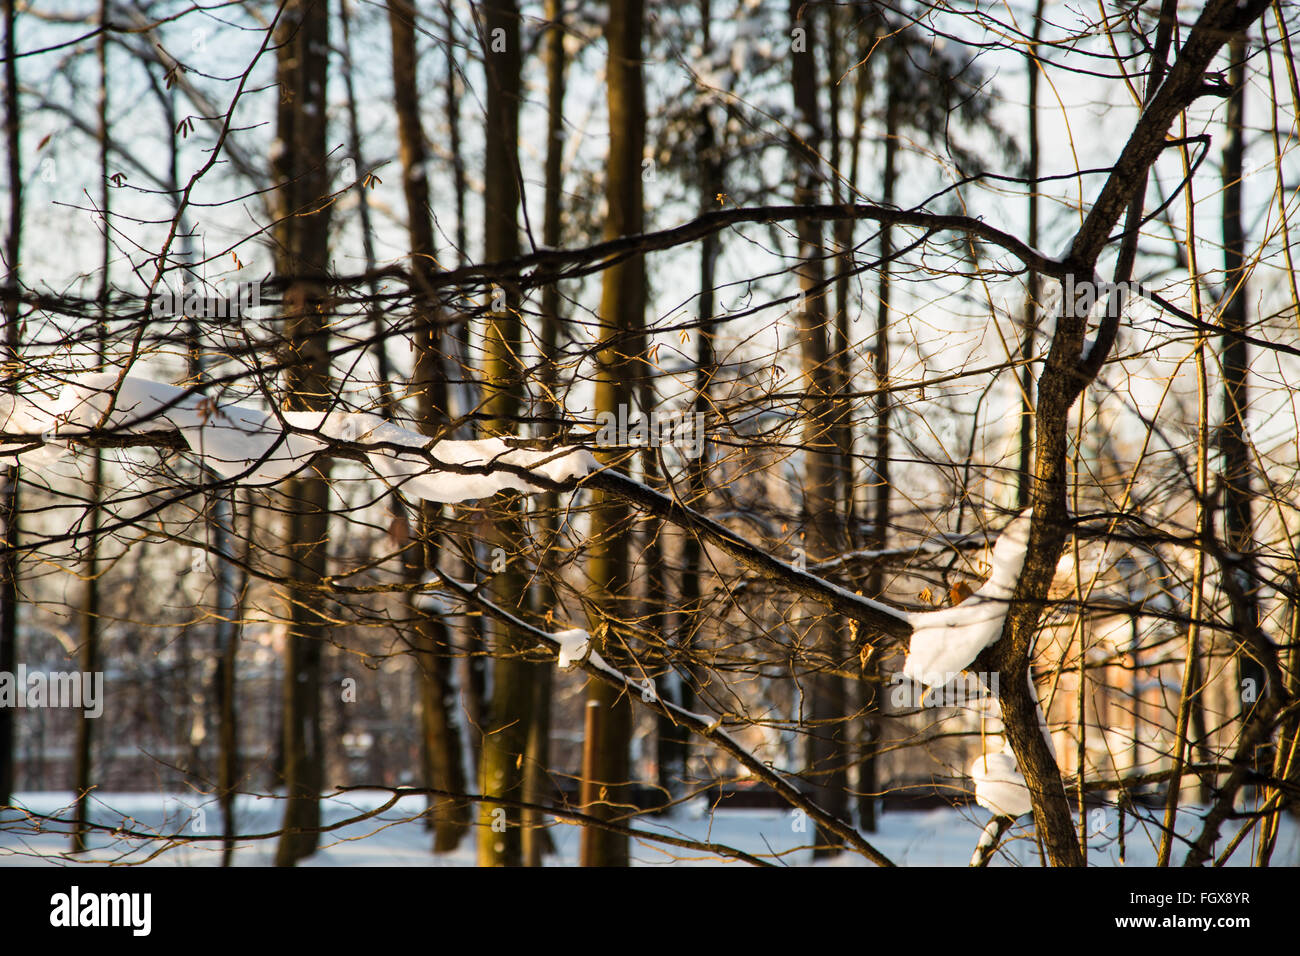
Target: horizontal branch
point(546, 265)
point(876, 616)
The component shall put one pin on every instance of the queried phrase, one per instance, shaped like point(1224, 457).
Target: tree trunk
point(827, 745)
point(302, 233)
point(439, 734)
point(881, 490)
point(622, 318)
point(675, 739)
point(226, 683)
point(90, 631)
point(10, 505)
point(537, 783)
point(1024, 471)
point(869, 728)
point(388, 399)
point(452, 92)
point(1234, 448)
point(505, 739)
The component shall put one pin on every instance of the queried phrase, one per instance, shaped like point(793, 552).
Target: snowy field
point(941, 837)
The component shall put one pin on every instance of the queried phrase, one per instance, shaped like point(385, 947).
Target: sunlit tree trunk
point(537, 781)
point(622, 318)
point(505, 737)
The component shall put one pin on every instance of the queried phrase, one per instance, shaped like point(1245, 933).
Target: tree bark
point(90, 630)
point(1234, 448)
point(1067, 371)
point(439, 734)
point(881, 489)
point(505, 739)
point(10, 504)
point(302, 233)
point(1024, 470)
point(537, 782)
point(827, 746)
point(622, 318)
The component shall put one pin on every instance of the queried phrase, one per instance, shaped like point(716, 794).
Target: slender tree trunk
point(226, 683)
point(537, 783)
point(440, 736)
point(1024, 471)
point(622, 318)
point(1286, 756)
point(472, 664)
point(869, 728)
point(827, 745)
point(302, 181)
point(881, 489)
point(388, 399)
point(1234, 449)
point(674, 739)
point(10, 505)
point(452, 92)
point(505, 739)
point(90, 630)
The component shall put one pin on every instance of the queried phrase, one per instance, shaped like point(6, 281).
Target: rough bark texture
point(302, 234)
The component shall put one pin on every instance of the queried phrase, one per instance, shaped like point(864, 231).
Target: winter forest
point(606, 433)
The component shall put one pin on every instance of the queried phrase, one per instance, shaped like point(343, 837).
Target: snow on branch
point(945, 642)
point(256, 446)
point(999, 786)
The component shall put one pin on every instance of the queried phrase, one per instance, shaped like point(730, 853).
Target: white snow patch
point(248, 443)
point(945, 642)
point(999, 786)
point(575, 645)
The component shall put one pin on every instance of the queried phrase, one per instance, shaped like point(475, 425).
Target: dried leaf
point(399, 532)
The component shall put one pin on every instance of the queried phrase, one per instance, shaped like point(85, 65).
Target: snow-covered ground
point(941, 837)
